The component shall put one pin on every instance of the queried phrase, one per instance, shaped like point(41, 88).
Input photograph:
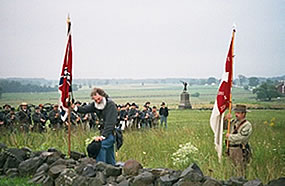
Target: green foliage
point(266, 91)
point(253, 81)
point(196, 94)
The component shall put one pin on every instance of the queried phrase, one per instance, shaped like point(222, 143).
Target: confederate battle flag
point(223, 100)
point(65, 82)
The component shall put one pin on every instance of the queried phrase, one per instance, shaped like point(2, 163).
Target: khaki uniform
point(239, 150)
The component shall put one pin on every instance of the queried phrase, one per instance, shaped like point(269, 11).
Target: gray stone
point(187, 183)
point(18, 154)
point(70, 163)
point(120, 178)
point(256, 182)
point(11, 163)
point(100, 177)
point(58, 151)
point(160, 172)
point(212, 182)
point(76, 155)
point(192, 173)
point(236, 181)
point(143, 179)
point(111, 180)
point(100, 166)
point(44, 167)
point(168, 179)
point(13, 172)
point(29, 166)
point(48, 181)
point(124, 183)
point(39, 178)
point(80, 180)
point(56, 170)
point(89, 171)
point(83, 163)
point(131, 167)
point(3, 158)
point(112, 171)
point(96, 181)
point(66, 177)
point(51, 157)
point(277, 182)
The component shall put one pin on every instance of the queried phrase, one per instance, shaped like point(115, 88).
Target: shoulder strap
point(243, 122)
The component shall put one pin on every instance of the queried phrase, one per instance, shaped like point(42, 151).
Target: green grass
point(154, 148)
point(15, 182)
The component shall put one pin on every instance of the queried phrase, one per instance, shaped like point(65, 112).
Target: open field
point(155, 147)
point(155, 93)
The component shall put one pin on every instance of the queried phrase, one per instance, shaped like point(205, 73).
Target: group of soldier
point(28, 117)
point(130, 116)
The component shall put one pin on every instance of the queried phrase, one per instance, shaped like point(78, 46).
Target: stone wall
point(51, 168)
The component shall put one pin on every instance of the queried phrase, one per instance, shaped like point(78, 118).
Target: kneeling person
point(106, 110)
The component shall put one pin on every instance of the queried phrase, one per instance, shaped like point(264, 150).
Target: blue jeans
point(107, 153)
point(163, 119)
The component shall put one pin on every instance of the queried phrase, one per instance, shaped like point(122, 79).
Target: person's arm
point(85, 109)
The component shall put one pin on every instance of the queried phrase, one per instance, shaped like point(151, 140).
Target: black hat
point(133, 104)
point(147, 103)
point(77, 102)
point(93, 149)
point(13, 109)
point(37, 107)
point(7, 105)
point(162, 103)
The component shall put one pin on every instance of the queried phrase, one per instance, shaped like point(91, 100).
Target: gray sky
point(142, 38)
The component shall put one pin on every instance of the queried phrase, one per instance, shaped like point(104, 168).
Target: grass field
point(169, 93)
point(158, 147)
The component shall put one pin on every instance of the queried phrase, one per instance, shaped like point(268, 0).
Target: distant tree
point(253, 81)
point(211, 80)
point(266, 91)
point(245, 87)
point(1, 92)
point(242, 79)
point(196, 94)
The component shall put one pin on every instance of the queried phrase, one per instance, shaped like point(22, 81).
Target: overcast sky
point(142, 38)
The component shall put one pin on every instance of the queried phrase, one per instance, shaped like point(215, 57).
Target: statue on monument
point(185, 86)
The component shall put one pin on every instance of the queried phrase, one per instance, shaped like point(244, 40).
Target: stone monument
point(184, 98)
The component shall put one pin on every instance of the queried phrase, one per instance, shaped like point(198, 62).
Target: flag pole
point(69, 109)
point(230, 102)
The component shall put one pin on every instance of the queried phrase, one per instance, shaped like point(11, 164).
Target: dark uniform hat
point(93, 149)
point(37, 107)
point(55, 105)
point(7, 105)
point(240, 108)
point(162, 103)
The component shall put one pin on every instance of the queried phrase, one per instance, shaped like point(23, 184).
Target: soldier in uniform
point(3, 121)
point(54, 117)
point(12, 120)
point(155, 117)
point(7, 109)
point(240, 132)
point(24, 117)
point(39, 120)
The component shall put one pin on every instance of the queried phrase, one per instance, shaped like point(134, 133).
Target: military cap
point(162, 103)
point(240, 108)
point(37, 107)
point(24, 104)
point(7, 105)
point(55, 105)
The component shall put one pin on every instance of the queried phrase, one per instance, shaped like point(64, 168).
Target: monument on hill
point(184, 98)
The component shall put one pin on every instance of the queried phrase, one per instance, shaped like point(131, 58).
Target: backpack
point(119, 138)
